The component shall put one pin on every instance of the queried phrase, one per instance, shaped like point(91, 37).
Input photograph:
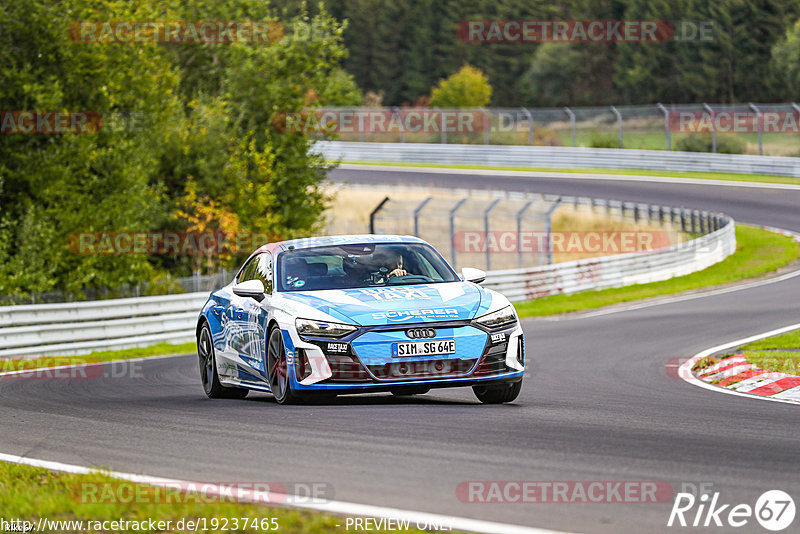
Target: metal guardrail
point(558, 157)
point(81, 327)
point(31, 331)
point(620, 270)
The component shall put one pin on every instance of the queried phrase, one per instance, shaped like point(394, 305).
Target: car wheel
point(497, 394)
point(278, 369)
point(407, 392)
point(208, 369)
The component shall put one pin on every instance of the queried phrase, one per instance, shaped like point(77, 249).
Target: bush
point(468, 87)
point(726, 144)
point(603, 140)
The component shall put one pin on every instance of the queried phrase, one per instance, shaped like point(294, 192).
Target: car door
point(250, 318)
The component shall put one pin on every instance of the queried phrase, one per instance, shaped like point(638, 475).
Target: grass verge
point(160, 349)
point(778, 354)
point(31, 493)
point(758, 252)
point(763, 178)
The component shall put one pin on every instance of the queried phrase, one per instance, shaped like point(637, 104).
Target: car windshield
point(361, 265)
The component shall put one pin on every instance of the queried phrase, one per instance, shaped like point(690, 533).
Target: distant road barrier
point(622, 269)
point(82, 327)
point(31, 331)
point(557, 157)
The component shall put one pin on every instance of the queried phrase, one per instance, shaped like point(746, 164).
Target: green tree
point(468, 87)
point(786, 63)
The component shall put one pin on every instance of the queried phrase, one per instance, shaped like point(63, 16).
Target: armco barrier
point(558, 157)
point(616, 271)
point(83, 327)
point(78, 328)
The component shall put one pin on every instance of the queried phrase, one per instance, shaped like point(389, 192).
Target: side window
point(249, 270)
point(264, 271)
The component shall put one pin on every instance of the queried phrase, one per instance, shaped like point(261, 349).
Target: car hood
point(420, 303)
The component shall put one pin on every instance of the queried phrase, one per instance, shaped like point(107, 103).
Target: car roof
point(353, 239)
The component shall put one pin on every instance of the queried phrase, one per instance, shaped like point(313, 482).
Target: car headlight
point(309, 327)
point(502, 317)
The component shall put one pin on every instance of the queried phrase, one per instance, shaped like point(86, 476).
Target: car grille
point(346, 369)
point(423, 369)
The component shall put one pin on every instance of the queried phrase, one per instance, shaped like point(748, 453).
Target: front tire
point(278, 369)
point(208, 369)
point(498, 394)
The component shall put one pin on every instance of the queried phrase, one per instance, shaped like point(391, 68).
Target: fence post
point(713, 128)
point(195, 281)
point(487, 126)
point(452, 216)
point(443, 137)
point(486, 232)
point(759, 119)
point(572, 124)
point(549, 229)
point(374, 212)
point(416, 214)
point(666, 124)
point(519, 230)
point(530, 126)
point(619, 125)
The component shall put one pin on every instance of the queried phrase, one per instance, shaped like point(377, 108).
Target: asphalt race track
point(597, 405)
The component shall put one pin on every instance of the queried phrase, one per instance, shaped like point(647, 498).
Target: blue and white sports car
point(357, 314)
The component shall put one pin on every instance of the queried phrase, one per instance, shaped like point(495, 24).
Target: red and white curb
point(736, 373)
point(755, 384)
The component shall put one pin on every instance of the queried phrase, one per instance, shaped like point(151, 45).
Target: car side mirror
point(250, 288)
point(476, 276)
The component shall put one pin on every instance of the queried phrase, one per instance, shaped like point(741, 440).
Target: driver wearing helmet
point(391, 261)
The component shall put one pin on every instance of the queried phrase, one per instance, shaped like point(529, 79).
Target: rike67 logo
point(774, 510)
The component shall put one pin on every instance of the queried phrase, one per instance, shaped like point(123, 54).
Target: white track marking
point(685, 370)
point(573, 176)
point(332, 507)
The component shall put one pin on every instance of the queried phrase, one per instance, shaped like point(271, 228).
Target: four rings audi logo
point(420, 333)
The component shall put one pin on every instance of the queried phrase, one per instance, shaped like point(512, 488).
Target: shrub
point(603, 140)
point(726, 144)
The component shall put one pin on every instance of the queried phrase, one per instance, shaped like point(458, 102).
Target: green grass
point(762, 178)
point(758, 252)
point(160, 349)
point(31, 492)
point(775, 361)
point(780, 354)
point(783, 341)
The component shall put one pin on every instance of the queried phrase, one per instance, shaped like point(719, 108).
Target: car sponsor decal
point(405, 315)
point(498, 338)
point(337, 347)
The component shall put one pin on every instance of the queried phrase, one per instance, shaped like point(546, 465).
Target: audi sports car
point(357, 314)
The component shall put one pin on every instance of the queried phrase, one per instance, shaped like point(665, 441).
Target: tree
point(786, 63)
point(468, 87)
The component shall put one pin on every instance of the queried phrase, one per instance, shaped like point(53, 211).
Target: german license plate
point(423, 348)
